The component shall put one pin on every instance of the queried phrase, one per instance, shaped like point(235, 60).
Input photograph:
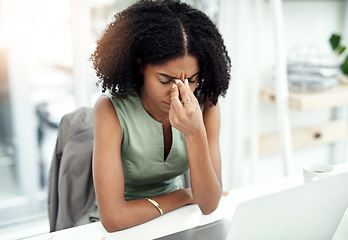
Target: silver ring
point(187, 100)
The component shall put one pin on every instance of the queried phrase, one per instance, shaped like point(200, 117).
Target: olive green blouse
point(146, 172)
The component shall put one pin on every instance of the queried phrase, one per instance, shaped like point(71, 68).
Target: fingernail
point(186, 81)
point(177, 81)
point(174, 85)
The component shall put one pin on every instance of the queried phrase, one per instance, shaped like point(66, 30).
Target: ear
point(141, 70)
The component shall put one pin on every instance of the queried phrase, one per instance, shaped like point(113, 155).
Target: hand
point(185, 115)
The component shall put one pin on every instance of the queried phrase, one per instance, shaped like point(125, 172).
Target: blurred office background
point(45, 73)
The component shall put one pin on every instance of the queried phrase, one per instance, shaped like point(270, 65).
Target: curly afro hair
point(155, 32)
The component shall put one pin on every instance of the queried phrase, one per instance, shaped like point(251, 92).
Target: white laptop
point(311, 211)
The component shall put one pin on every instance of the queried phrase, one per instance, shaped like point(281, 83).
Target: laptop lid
point(309, 211)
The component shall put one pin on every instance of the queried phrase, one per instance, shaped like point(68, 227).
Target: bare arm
point(115, 212)
point(202, 141)
point(205, 164)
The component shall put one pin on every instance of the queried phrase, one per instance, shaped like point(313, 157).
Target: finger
point(191, 94)
point(174, 96)
point(187, 85)
point(183, 91)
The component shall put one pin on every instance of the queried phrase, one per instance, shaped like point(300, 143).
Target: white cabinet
point(330, 132)
point(286, 139)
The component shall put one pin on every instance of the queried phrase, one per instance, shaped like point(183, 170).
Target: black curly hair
point(156, 31)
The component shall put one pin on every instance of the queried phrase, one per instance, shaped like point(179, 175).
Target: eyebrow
point(171, 77)
point(193, 75)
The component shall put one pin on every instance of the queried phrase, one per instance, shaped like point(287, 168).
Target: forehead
point(187, 64)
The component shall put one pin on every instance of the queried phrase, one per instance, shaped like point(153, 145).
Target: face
point(159, 79)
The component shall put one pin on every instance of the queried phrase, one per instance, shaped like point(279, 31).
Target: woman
point(163, 66)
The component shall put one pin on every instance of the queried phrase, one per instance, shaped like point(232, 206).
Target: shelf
point(327, 133)
point(333, 97)
point(330, 132)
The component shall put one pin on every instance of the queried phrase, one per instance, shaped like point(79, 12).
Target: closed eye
point(167, 77)
point(164, 83)
point(192, 78)
point(170, 78)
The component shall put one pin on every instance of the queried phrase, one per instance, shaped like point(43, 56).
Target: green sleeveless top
point(146, 173)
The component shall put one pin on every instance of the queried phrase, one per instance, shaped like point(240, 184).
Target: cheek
point(160, 90)
point(193, 87)
point(168, 89)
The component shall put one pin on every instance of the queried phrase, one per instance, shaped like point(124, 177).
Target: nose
point(182, 78)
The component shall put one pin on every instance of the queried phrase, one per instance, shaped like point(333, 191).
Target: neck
point(152, 110)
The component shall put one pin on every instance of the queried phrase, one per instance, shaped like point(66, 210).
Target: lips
point(167, 104)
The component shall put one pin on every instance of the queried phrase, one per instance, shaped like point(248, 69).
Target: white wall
point(251, 46)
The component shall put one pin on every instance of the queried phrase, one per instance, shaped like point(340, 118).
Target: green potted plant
point(339, 49)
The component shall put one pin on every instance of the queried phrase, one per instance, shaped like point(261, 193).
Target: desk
point(185, 217)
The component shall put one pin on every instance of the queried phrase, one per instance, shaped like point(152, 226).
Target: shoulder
point(209, 108)
point(103, 105)
point(211, 118)
point(107, 100)
point(111, 107)
point(104, 111)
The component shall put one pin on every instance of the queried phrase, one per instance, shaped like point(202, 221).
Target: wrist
point(196, 133)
